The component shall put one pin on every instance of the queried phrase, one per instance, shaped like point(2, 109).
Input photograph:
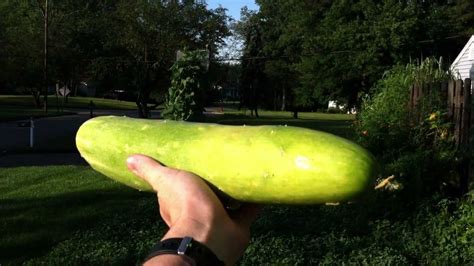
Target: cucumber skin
point(260, 164)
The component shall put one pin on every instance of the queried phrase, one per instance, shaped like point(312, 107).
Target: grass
point(15, 107)
point(339, 124)
point(11, 113)
point(62, 215)
point(42, 206)
point(73, 102)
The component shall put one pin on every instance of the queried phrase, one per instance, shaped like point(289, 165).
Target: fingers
point(150, 170)
point(180, 186)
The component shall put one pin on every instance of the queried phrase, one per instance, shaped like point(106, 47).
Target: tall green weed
point(185, 99)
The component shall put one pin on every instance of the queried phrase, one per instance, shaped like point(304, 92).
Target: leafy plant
point(185, 98)
point(416, 145)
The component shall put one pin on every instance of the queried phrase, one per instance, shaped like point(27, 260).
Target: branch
point(61, 17)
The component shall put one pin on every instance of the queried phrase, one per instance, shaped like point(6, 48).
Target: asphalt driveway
point(51, 134)
point(40, 159)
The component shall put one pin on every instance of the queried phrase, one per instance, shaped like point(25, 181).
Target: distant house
point(463, 65)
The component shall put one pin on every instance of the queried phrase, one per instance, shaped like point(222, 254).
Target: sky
point(233, 6)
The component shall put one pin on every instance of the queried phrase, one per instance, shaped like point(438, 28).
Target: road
point(41, 159)
point(51, 134)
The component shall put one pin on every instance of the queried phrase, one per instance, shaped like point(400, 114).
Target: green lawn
point(62, 215)
point(14, 107)
point(339, 124)
point(42, 206)
point(10, 113)
point(73, 102)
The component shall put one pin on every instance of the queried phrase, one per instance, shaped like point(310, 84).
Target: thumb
point(150, 170)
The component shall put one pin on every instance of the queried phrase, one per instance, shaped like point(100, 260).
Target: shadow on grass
point(31, 227)
point(341, 128)
point(19, 112)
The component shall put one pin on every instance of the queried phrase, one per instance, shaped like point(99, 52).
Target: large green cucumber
point(262, 164)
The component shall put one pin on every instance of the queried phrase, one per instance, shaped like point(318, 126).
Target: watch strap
point(186, 246)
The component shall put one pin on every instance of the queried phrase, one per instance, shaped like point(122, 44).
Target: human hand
point(190, 208)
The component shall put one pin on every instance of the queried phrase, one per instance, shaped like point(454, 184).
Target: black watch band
point(186, 246)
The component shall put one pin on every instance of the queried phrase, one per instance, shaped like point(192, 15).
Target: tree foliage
point(112, 45)
point(315, 51)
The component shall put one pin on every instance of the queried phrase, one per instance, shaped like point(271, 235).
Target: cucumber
point(261, 164)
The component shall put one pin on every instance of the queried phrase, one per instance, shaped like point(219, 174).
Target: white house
point(463, 65)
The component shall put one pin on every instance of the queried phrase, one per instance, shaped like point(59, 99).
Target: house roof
point(463, 51)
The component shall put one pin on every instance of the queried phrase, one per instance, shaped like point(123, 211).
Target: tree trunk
point(275, 100)
point(36, 97)
point(254, 105)
point(57, 97)
point(71, 82)
point(142, 104)
point(283, 100)
point(295, 114)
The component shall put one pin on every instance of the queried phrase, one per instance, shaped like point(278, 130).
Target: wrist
point(197, 231)
point(206, 234)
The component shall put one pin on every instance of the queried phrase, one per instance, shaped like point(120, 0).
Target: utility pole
point(45, 66)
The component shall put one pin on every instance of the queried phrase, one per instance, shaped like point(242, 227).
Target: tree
point(286, 25)
point(20, 48)
point(253, 78)
point(353, 45)
point(110, 44)
point(151, 33)
point(315, 51)
point(463, 13)
point(44, 8)
point(24, 43)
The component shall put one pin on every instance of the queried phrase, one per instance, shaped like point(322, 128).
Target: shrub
point(421, 150)
point(384, 121)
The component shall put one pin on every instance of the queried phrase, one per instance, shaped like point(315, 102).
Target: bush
point(384, 120)
point(421, 152)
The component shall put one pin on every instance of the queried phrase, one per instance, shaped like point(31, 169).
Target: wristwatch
point(186, 246)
